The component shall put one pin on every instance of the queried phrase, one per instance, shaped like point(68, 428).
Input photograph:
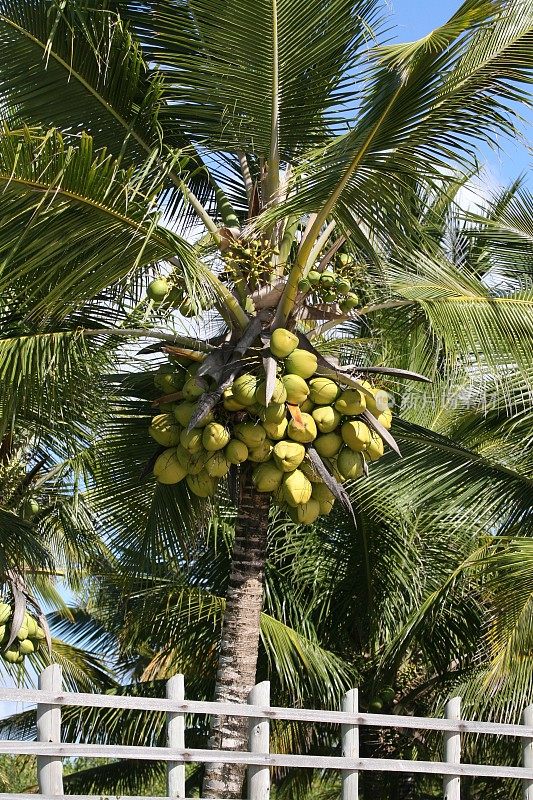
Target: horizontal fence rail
point(50, 750)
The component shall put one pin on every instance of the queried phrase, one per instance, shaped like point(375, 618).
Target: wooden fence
point(50, 750)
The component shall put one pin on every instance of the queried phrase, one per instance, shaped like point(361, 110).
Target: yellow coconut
point(379, 403)
point(260, 453)
point(282, 343)
point(267, 477)
point(11, 655)
point(304, 435)
point(22, 633)
point(288, 455)
point(297, 389)
point(202, 485)
point(356, 435)
point(326, 418)
point(296, 488)
point(5, 612)
point(165, 430)
point(31, 625)
point(229, 402)
point(40, 635)
point(324, 391)
point(276, 412)
point(26, 647)
point(351, 402)
point(192, 440)
point(236, 452)
point(305, 513)
point(168, 469)
point(275, 430)
point(217, 465)
point(385, 418)
point(328, 444)
point(195, 462)
point(302, 363)
point(244, 388)
point(250, 433)
point(215, 437)
point(375, 449)
point(310, 472)
point(350, 464)
point(194, 388)
point(183, 412)
point(279, 395)
point(324, 497)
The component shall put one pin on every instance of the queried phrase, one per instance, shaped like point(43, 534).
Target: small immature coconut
point(267, 477)
point(323, 391)
point(328, 444)
point(244, 388)
point(296, 488)
point(351, 402)
point(343, 259)
point(304, 285)
point(302, 363)
point(229, 402)
point(216, 465)
point(215, 437)
point(188, 309)
point(282, 343)
point(343, 286)
point(324, 497)
point(326, 418)
point(168, 469)
point(375, 449)
point(356, 435)
point(350, 464)
point(314, 277)
point(276, 430)
point(192, 440)
point(305, 513)
point(236, 452)
point(327, 280)
point(260, 453)
point(279, 395)
point(304, 435)
point(297, 389)
point(158, 289)
point(165, 430)
point(250, 433)
point(288, 455)
point(349, 303)
point(202, 485)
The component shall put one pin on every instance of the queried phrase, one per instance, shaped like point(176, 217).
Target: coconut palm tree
point(285, 133)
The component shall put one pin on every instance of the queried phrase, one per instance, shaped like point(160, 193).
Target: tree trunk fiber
point(239, 645)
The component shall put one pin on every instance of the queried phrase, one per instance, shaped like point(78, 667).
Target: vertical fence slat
point(49, 768)
point(452, 751)
point(176, 738)
point(350, 746)
point(527, 744)
point(259, 742)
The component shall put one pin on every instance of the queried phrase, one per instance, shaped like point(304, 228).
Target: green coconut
point(194, 388)
point(276, 412)
point(267, 477)
point(307, 406)
point(323, 391)
point(202, 485)
point(297, 488)
point(297, 389)
point(302, 363)
point(327, 280)
point(324, 497)
point(188, 309)
point(349, 303)
point(313, 277)
point(375, 449)
point(244, 388)
point(328, 444)
point(310, 472)
point(192, 440)
point(236, 452)
point(26, 647)
point(229, 402)
point(5, 612)
point(288, 455)
point(217, 465)
point(167, 408)
point(30, 508)
point(351, 402)
point(343, 259)
point(168, 469)
point(158, 289)
point(183, 412)
point(279, 394)
point(195, 461)
point(305, 513)
point(304, 285)
point(260, 453)
point(326, 418)
point(304, 435)
point(252, 434)
point(276, 430)
point(356, 435)
point(282, 343)
point(168, 380)
point(165, 430)
point(343, 286)
point(215, 437)
point(350, 464)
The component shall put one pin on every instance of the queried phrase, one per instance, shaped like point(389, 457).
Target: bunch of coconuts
point(29, 636)
point(306, 410)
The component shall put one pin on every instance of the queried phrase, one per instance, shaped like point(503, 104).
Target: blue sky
point(415, 18)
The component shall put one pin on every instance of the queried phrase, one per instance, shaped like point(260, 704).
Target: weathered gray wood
point(302, 714)
point(176, 738)
point(49, 769)
point(527, 719)
point(452, 751)
point(271, 760)
point(259, 742)
point(350, 746)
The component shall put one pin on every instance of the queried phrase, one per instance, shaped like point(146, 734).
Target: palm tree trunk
point(240, 636)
